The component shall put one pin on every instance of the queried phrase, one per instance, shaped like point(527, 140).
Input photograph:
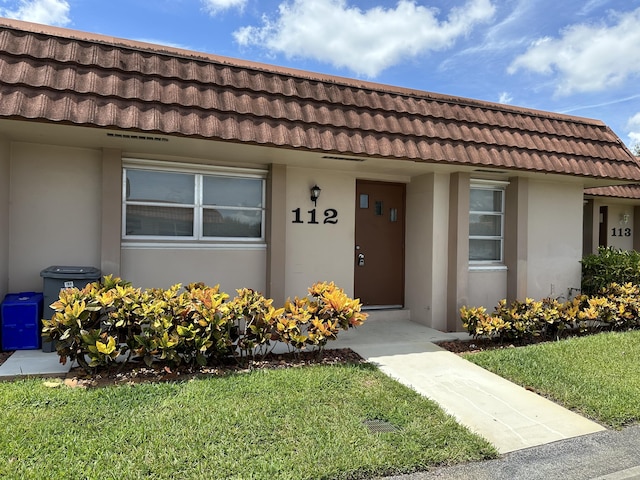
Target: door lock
point(361, 259)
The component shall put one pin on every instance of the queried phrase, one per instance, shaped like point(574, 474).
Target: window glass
point(232, 191)
point(484, 225)
point(486, 211)
point(485, 250)
point(159, 221)
point(221, 222)
point(165, 204)
point(165, 187)
point(484, 200)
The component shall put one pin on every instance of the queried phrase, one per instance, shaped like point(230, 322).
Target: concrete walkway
point(26, 363)
point(509, 416)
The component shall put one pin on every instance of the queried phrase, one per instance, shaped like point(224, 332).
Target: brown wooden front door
point(379, 249)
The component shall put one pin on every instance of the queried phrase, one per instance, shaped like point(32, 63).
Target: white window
point(165, 204)
point(486, 222)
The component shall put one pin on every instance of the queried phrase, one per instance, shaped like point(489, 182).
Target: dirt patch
point(137, 372)
point(481, 344)
point(477, 345)
point(4, 356)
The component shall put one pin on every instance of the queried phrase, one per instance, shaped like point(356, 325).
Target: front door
point(379, 249)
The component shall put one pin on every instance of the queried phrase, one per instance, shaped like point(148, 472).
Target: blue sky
point(580, 57)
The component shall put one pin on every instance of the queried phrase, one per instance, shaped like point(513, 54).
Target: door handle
point(361, 259)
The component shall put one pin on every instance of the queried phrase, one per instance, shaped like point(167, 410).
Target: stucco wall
point(319, 252)
point(487, 287)
point(619, 233)
point(555, 238)
point(4, 217)
point(229, 267)
point(55, 211)
point(427, 249)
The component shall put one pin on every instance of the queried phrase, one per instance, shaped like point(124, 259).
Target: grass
point(299, 423)
point(597, 375)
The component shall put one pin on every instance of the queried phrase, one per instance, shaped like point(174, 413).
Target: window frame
point(491, 185)
point(199, 172)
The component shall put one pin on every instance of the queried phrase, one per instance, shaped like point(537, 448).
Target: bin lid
point(70, 272)
point(22, 297)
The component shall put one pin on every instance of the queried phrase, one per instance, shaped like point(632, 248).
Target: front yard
point(297, 423)
point(595, 375)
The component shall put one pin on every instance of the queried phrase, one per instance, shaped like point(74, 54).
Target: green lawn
point(298, 423)
point(597, 375)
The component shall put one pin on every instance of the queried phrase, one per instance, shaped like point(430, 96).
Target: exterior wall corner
point(458, 271)
point(111, 205)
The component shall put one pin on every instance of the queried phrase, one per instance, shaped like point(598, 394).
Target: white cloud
point(590, 6)
point(587, 58)
point(216, 6)
point(49, 12)
point(505, 97)
point(363, 41)
point(633, 127)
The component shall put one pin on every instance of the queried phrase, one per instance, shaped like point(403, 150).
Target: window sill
point(164, 245)
point(487, 268)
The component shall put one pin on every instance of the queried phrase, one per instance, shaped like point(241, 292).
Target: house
point(611, 216)
point(162, 165)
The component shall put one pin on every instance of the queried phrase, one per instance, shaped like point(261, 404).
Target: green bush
point(519, 320)
point(609, 266)
point(615, 307)
point(112, 321)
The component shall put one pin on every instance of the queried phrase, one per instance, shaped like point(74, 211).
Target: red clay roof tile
point(617, 191)
point(59, 75)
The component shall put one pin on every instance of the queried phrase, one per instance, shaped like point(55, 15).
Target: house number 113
point(330, 216)
point(620, 232)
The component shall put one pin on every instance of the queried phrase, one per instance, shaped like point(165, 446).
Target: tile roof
point(58, 75)
point(617, 191)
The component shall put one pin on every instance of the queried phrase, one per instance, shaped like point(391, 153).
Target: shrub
point(196, 325)
point(91, 322)
point(316, 320)
point(253, 319)
point(609, 266)
point(616, 307)
point(480, 324)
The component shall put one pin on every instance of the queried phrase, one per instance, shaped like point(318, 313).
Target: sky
point(579, 57)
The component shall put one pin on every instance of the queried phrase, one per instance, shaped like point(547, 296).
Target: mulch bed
point(137, 372)
point(481, 344)
point(4, 356)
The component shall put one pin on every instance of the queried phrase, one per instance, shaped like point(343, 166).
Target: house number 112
point(330, 216)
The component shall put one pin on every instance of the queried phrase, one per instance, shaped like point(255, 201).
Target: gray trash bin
point(56, 278)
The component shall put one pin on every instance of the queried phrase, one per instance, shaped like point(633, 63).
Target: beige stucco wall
point(5, 151)
point(322, 252)
point(427, 249)
point(624, 231)
point(487, 287)
point(55, 211)
point(555, 238)
point(232, 268)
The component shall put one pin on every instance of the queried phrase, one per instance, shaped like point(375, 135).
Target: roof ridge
point(158, 49)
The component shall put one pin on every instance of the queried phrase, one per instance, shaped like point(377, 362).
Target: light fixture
point(624, 218)
point(315, 193)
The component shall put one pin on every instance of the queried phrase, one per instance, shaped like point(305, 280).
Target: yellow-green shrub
point(109, 322)
point(615, 307)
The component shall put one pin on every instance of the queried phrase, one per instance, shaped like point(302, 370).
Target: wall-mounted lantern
point(315, 194)
point(624, 218)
